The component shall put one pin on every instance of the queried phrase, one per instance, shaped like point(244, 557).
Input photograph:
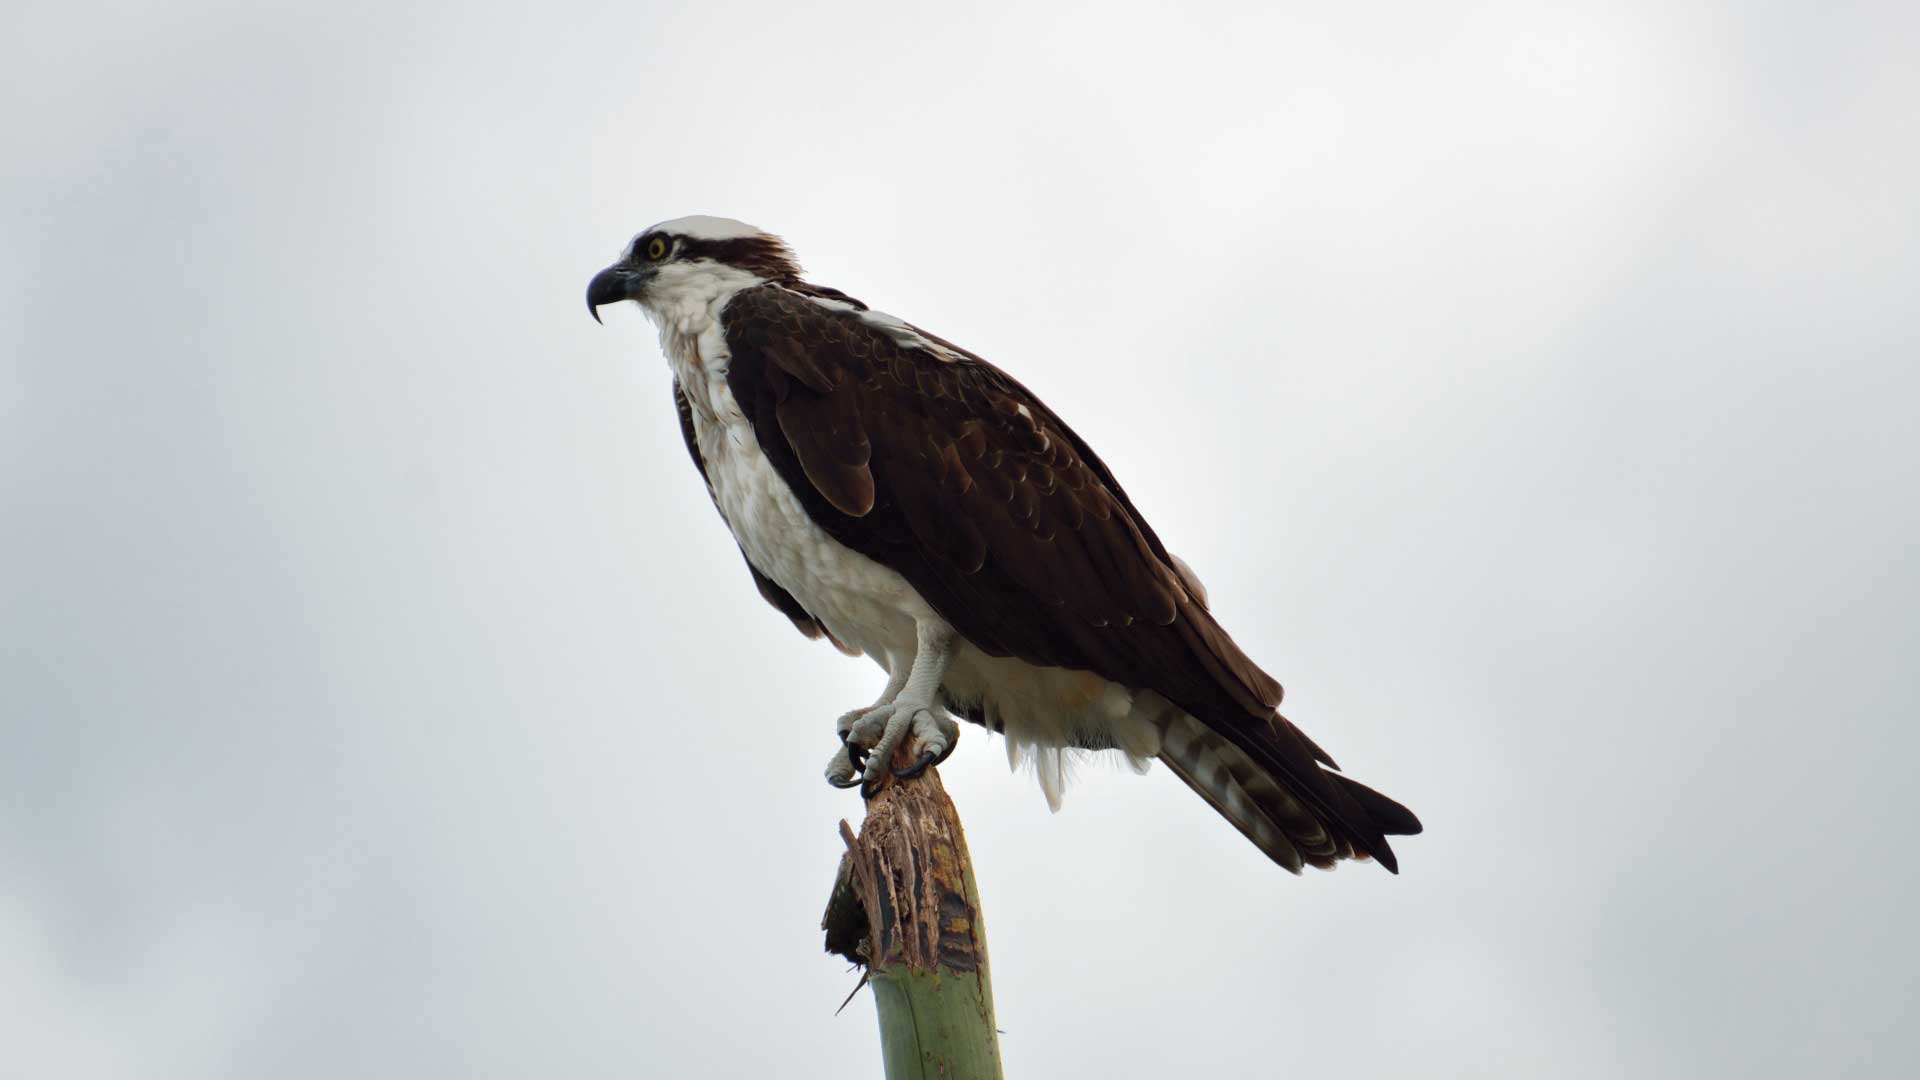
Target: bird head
point(677, 268)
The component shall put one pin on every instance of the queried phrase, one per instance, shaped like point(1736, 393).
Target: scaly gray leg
point(877, 732)
point(843, 771)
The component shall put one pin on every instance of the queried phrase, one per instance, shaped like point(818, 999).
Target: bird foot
point(870, 736)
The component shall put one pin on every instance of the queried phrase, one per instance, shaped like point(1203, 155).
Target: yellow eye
point(657, 248)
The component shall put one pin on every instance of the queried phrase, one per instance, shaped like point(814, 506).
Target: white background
point(1533, 386)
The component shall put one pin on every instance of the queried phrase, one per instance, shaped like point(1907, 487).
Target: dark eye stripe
point(763, 255)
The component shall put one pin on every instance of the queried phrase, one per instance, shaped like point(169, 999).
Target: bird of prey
point(901, 497)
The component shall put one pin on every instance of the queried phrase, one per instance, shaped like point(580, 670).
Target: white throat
point(685, 300)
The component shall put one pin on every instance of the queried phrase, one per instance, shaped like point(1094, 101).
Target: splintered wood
point(905, 908)
point(905, 879)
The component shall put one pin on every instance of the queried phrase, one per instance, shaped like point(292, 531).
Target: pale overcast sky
point(1534, 386)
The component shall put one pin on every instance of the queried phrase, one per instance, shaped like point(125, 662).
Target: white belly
point(861, 602)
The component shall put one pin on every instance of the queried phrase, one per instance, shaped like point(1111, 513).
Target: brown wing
point(780, 598)
point(933, 462)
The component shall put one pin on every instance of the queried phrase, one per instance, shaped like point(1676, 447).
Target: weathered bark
point(905, 907)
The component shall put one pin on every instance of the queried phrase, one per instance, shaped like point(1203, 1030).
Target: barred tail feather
point(1294, 827)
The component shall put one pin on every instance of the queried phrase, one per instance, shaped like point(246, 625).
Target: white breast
point(863, 603)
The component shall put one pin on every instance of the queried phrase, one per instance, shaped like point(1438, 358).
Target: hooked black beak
point(612, 285)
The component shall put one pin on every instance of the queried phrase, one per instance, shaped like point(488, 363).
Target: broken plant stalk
point(905, 908)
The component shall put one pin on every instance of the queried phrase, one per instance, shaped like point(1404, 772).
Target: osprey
point(903, 498)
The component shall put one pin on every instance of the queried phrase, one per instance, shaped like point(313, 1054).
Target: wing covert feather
point(949, 471)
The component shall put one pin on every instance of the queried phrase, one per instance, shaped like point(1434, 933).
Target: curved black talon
point(857, 754)
point(868, 793)
point(845, 784)
point(916, 768)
